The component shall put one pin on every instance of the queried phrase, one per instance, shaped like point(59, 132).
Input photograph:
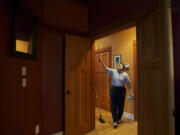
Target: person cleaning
point(118, 90)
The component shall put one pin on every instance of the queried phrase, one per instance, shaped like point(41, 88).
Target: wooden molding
point(103, 50)
point(135, 80)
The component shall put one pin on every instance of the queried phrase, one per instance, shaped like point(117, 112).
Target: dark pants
point(117, 102)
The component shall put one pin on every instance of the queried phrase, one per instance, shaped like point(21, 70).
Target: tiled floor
point(127, 126)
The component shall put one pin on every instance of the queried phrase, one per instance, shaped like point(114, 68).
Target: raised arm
point(102, 63)
point(108, 70)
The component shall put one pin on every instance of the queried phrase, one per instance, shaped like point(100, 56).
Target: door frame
point(134, 71)
point(135, 80)
point(107, 30)
point(128, 22)
point(102, 34)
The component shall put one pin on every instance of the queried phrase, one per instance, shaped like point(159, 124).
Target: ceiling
point(90, 2)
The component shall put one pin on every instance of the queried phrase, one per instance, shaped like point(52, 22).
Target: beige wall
point(122, 43)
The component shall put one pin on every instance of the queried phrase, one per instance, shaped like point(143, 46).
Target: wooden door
point(135, 80)
point(102, 80)
point(78, 94)
point(155, 74)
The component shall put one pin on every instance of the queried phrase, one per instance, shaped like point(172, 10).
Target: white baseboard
point(59, 133)
point(128, 115)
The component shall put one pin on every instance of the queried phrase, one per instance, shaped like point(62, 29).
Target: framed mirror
point(25, 32)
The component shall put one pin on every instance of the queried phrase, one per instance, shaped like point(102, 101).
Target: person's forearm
point(129, 86)
point(130, 89)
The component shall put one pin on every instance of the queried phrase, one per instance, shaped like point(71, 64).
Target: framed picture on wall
point(117, 60)
point(24, 33)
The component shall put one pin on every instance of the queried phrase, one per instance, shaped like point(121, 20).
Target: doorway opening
point(155, 75)
point(113, 49)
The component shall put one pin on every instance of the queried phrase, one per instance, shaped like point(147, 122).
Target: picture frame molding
point(19, 6)
point(114, 57)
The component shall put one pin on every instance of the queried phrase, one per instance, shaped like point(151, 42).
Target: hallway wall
point(122, 43)
point(19, 107)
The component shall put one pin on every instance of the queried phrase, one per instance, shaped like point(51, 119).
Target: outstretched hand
point(131, 93)
point(131, 96)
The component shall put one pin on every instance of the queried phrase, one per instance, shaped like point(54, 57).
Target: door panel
point(102, 81)
point(155, 75)
point(78, 93)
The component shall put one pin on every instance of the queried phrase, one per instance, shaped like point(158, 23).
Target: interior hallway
point(127, 126)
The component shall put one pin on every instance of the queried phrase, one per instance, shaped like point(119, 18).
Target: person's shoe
point(115, 124)
point(119, 121)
